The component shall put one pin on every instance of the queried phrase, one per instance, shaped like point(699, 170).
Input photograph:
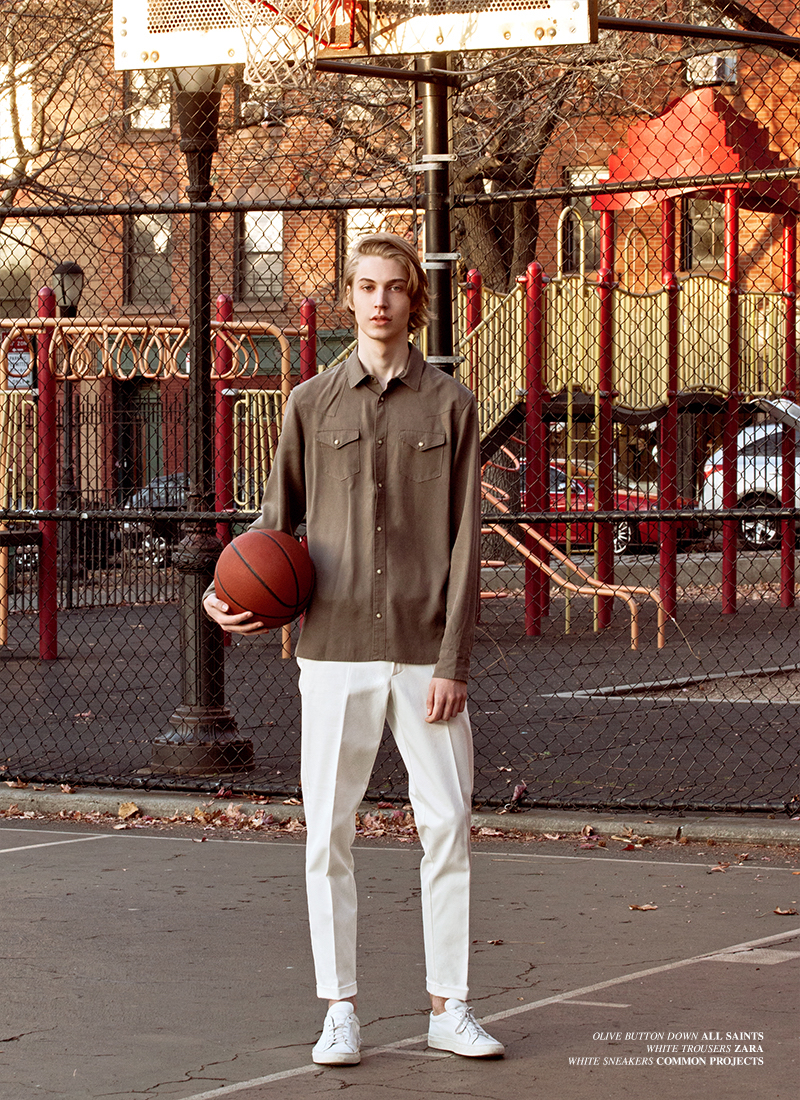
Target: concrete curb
point(759, 829)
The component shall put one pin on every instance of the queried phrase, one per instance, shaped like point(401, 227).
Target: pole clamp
point(449, 359)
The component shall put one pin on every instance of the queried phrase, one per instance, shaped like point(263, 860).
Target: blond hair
point(391, 247)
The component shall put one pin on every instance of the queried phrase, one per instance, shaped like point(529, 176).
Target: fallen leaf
point(199, 839)
point(120, 825)
point(643, 908)
point(127, 809)
point(15, 783)
point(386, 805)
point(496, 942)
point(552, 836)
point(484, 831)
point(292, 802)
point(785, 912)
point(66, 789)
point(720, 867)
point(588, 830)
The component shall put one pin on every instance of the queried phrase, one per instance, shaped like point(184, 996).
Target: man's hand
point(446, 699)
point(243, 623)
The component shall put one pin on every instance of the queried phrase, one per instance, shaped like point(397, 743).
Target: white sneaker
point(457, 1030)
point(340, 1041)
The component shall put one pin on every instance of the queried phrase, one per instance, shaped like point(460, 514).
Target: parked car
point(156, 538)
point(638, 531)
point(758, 482)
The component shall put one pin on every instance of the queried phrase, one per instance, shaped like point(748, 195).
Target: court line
point(559, 998)
point(54, 843)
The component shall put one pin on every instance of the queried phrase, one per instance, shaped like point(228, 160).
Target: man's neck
point(384, 361)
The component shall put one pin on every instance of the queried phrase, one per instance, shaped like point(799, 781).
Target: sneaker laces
point(468, 1023)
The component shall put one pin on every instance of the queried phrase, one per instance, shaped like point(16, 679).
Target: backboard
point(165, 33)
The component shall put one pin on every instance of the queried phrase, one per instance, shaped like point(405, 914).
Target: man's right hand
point(243, 623)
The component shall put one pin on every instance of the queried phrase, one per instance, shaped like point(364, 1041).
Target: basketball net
point(282, 38)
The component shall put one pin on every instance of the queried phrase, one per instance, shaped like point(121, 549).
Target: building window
point(257, 106)
point(580, 228)
point(702, 233)
point(148, 261)
point(148, 100)
point(358, 223)
point(259, 256)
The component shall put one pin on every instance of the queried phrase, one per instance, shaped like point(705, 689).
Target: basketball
point(267, 573)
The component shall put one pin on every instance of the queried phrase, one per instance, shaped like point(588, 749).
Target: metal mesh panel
point(637, 636)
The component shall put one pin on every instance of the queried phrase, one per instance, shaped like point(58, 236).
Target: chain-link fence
point(623, 217)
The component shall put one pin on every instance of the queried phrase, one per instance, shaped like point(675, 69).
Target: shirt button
point(378, 615)
point(336, 442)
point(378, 570)
point(379, 442)
point(420, 444)
point(378, 528)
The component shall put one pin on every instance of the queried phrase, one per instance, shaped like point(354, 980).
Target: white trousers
point(345, 705)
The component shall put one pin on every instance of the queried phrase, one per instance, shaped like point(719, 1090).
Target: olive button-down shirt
point(388, 482)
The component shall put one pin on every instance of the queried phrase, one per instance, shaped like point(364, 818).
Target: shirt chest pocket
point(421, 455)
point(338, 451)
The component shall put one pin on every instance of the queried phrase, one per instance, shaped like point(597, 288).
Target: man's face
point(379, 298)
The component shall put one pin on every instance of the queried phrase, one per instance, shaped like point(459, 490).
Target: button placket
point(379, 538)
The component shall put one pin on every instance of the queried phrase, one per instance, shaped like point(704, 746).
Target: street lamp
point(68, 287)
point(202, 737)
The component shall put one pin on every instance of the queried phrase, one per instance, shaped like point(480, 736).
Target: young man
point(381, 457)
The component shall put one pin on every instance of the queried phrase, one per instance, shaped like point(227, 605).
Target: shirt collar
point(411, 376)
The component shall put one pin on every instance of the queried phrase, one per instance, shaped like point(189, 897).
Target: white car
point(758, 476)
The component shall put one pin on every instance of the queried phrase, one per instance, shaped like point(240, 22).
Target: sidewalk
point(145, 964)
point(754, 828)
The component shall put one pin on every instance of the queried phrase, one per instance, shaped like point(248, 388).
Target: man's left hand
point(446, 699)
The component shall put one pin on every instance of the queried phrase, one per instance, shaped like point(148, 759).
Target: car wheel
point(760, 532)
point(624, 536)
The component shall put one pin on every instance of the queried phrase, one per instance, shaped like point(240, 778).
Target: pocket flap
point(423, 441)
point(338, 437)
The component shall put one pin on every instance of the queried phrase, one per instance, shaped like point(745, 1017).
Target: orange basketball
point(267, 573)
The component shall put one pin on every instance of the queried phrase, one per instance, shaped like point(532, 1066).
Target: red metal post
point(474, 289)
point(308, 341)
point(537, 454)
point(668, 472)
point(48, 481)
point(605, 424)
point(731, 423)
point(788, 481)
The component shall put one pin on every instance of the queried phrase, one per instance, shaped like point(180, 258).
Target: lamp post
point(67, 287)
point(202, 737)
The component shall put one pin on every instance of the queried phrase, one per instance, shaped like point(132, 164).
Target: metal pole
point(730, 527)
point(605, 426)
point(46, 425)
point(438, 259)
point(308, 340)
point(203, 738)
point(668, 472)
point(788, 445)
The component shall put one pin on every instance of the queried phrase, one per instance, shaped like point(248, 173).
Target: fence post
point(788, 445)
point(604, 498)
point(668, 472)
point(47, 476)
point(537, 464)
point(730, 527)
point(308, 340)
point(474, 311)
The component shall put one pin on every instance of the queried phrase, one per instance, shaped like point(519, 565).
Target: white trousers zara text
point(345, 705)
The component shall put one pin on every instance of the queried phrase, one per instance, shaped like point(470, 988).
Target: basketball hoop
point(283, 37)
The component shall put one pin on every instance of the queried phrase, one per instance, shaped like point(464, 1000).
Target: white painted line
point(53, 843)
point(666, 685)
point(759, 956)
point(598, 1004)
point(560, 998)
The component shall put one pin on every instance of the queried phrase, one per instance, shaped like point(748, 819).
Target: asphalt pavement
point(174, 963)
